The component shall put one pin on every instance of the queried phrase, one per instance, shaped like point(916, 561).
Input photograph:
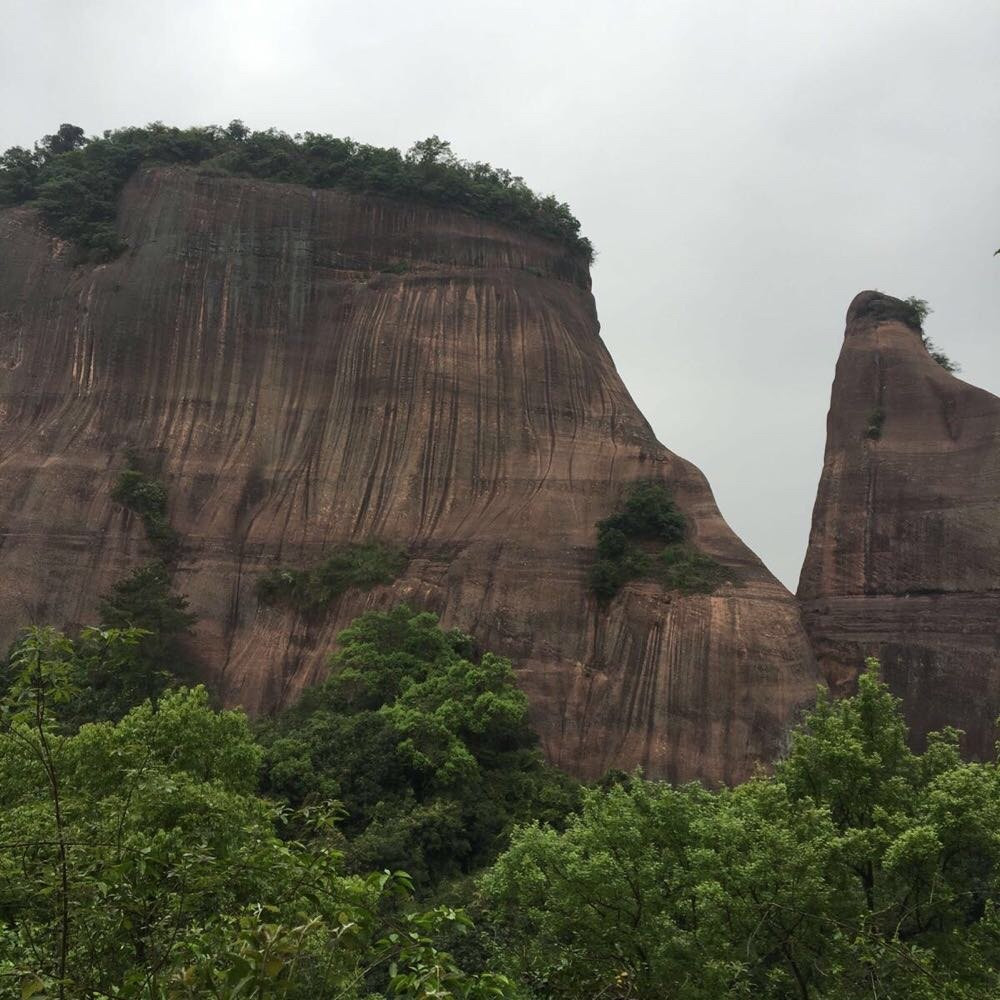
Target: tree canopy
point(75, 181)
point(858, 870)
point(139, 860)
point(173, 850)
point(425, 746)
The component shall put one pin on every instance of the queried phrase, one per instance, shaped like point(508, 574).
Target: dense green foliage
point(147, 498)
point(138, 861)
point(174, 854)
point(360, 565)
point(859, 870)
point(145, 601)
point(134, 656)
point(76, 182)
point(645, 540)
point(426, 747)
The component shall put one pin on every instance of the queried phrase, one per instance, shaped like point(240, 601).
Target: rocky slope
point(304, 368)
point(904, 554)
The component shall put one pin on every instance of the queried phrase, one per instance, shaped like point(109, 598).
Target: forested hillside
point(397, 834)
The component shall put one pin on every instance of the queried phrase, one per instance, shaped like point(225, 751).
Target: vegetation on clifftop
point(919, 311)
point(75, 180)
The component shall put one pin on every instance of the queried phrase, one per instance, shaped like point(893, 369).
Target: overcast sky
point(743, 168)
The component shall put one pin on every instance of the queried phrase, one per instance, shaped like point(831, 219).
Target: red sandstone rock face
point(294, 396)
point(904, 555)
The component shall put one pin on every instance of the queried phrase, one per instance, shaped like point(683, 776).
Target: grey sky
point(742, 167)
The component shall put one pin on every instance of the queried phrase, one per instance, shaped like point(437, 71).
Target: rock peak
point(904, 553)
point(873, 308)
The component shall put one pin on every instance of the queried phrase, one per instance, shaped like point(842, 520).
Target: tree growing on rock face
point(921, 310)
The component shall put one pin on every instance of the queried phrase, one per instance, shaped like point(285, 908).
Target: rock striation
point(904, 553)
point(304, 368)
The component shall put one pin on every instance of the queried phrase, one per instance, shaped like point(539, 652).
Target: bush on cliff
point(147, 498)
point(76, 182)
point(645, 540)
point(358, 565)
point(919, 311)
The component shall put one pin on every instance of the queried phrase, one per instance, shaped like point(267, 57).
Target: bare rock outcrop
point(904, 554)
point(309, 367)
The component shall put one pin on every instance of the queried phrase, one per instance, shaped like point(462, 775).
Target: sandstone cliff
point(257, 345)
point(904, 554)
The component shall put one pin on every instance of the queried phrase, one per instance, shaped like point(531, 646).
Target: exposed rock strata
point(904, 554)
point(294, 392)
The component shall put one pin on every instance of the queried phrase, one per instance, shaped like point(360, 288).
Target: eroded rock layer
point(304, 368)
point(904, 554)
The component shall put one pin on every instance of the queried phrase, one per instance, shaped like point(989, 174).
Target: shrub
point(920, 311)
point(939, 356)
point(649, 514)
point(147, 498)
point(357, 565)
point(873, 429)
point(627, 544)
point(680, 567)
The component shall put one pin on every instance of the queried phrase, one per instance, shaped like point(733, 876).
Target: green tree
point(427, 748)
point(433, 149)
point(644, 539)
point(138, 861)
point(859, 869)
point(66, 139)
point(19, 172)
point(920, 311)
